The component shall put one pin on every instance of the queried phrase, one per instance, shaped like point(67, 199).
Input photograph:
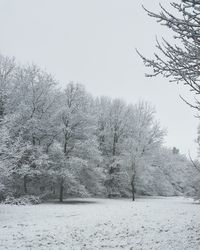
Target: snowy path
point(152, 223)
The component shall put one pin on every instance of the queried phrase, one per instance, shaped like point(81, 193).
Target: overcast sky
point(93, 42)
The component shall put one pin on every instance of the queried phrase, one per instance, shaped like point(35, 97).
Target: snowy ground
point(150, 223)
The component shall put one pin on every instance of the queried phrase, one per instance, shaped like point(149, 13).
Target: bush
point(23, 200)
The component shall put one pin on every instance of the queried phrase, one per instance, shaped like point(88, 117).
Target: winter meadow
point(83, 169)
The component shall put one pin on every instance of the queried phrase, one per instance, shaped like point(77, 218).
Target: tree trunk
point(133, 187)
point(65, 147)
point(115, 140)
point(61, 191)
point(33, 140)
point(25, 184)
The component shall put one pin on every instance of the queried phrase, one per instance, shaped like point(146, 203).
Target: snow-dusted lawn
point(150, 223)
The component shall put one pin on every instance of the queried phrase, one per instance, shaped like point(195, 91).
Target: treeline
point(58, 143)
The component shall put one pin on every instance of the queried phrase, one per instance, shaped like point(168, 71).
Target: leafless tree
point(179, 61)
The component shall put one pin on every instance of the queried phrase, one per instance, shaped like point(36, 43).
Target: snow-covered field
point(148, 223)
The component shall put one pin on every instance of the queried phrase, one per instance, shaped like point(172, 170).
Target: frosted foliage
point(59, 143)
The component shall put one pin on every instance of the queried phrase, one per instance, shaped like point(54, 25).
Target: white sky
point(93, 42)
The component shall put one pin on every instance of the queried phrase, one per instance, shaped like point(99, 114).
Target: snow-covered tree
point(179, 60)
point(65, 142)
point(144, 138)
point(113, 116)
point(77, 131)
point(34, 105)
point(7, 72)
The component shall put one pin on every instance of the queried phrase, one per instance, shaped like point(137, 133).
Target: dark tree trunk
point(133, 187)
point(25, 184)
point(33, 140)
point(115, 140)
point(65, 147)
point(61, 191)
